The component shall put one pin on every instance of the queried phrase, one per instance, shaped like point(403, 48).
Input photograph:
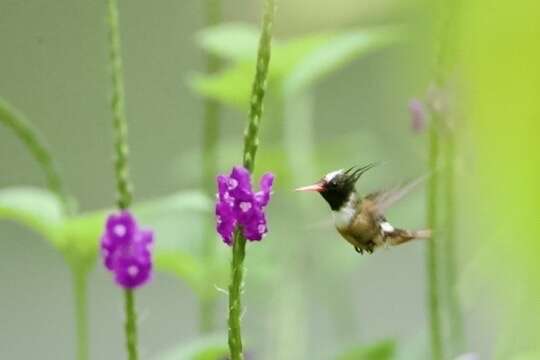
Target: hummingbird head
point(337, 186)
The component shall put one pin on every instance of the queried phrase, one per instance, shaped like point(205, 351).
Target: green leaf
point(296, 64)
point(334, 54)
point(177, 219)
point(184, 266)
point(207, 348)
point(383, 350)
point(286, 57)
point(232, 41)
point(36, 208)
point(231, 86)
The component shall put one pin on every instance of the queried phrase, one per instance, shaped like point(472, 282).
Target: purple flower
point(126, 250)
point(238, 205)
point(418, 115)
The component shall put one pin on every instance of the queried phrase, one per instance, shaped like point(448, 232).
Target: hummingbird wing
point(384, 199)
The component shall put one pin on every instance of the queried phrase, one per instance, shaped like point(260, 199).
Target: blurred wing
point(383, 200)
point(327, 223)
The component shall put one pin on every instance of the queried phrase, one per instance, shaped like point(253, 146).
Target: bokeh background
point(308, 294)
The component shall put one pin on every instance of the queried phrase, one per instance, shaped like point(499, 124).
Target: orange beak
point(315, 187)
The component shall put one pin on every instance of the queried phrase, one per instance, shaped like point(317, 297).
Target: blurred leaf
point(286, 57)
point(384, 350)
point(36, 208)
point(231, 86)
point(207, 348)
point(182, 265)
point(177, 219)
point(296, 64)
point(334, 54)
point(232, 41)
point(81, 236)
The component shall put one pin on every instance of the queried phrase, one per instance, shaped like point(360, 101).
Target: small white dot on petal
point(119, 230)
point(245, 206)
point(132, 270)
point(233, 183)
point(261, 228)
point(219, 221)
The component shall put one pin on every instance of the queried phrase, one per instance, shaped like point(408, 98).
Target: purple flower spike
point(127, 250)
point(418, 115)
point(238, 205)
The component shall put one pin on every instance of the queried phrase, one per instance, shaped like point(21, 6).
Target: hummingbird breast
point(345, 215)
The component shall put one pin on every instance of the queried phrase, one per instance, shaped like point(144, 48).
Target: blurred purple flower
point(237, 204)
point(126, 250)
point(418, 115)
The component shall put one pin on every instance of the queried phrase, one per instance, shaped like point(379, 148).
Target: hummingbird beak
point(315, 187)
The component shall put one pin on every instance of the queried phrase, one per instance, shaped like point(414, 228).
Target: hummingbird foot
point(368, 248)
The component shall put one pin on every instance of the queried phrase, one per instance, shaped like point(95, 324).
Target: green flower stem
point(119, 118)
point(251, 144)
point(124, 193)
point(39, 149)
point(212, 114)
point(80, 287)
point(456, 317)
point(131, 324)
point(235, 297)
point(431, 256)
point(251, 139)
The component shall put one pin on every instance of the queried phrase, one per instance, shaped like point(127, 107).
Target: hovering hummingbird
point(361, 220)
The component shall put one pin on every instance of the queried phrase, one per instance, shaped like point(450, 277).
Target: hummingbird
point(361, 220)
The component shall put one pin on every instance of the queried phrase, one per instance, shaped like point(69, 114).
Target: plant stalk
point(235, 297)
point(456, 317)
point(124, 192)
point(251, 144)
point(130, 324)
point(431, 255)
point(38, 147)
point(121, 166)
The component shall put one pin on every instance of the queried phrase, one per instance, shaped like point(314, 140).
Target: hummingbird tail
point(422, 234)
point(400, 236)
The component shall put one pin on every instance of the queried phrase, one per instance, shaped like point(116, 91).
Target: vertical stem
point(131, 324)
point(431, 256)
point(258, 90)
point(124, 193)
point(212, 113)
point(119, 117)
point(456, 318)
point(235, 296)
point(37, 146)
point(80, 286)
point(251, 144)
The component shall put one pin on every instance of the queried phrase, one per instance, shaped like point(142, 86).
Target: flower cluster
point(126, 250)
point(237, 204)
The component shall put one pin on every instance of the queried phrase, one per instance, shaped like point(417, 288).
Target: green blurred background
point(309, 295)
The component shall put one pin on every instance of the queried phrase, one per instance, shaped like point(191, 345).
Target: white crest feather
point(328, 177)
